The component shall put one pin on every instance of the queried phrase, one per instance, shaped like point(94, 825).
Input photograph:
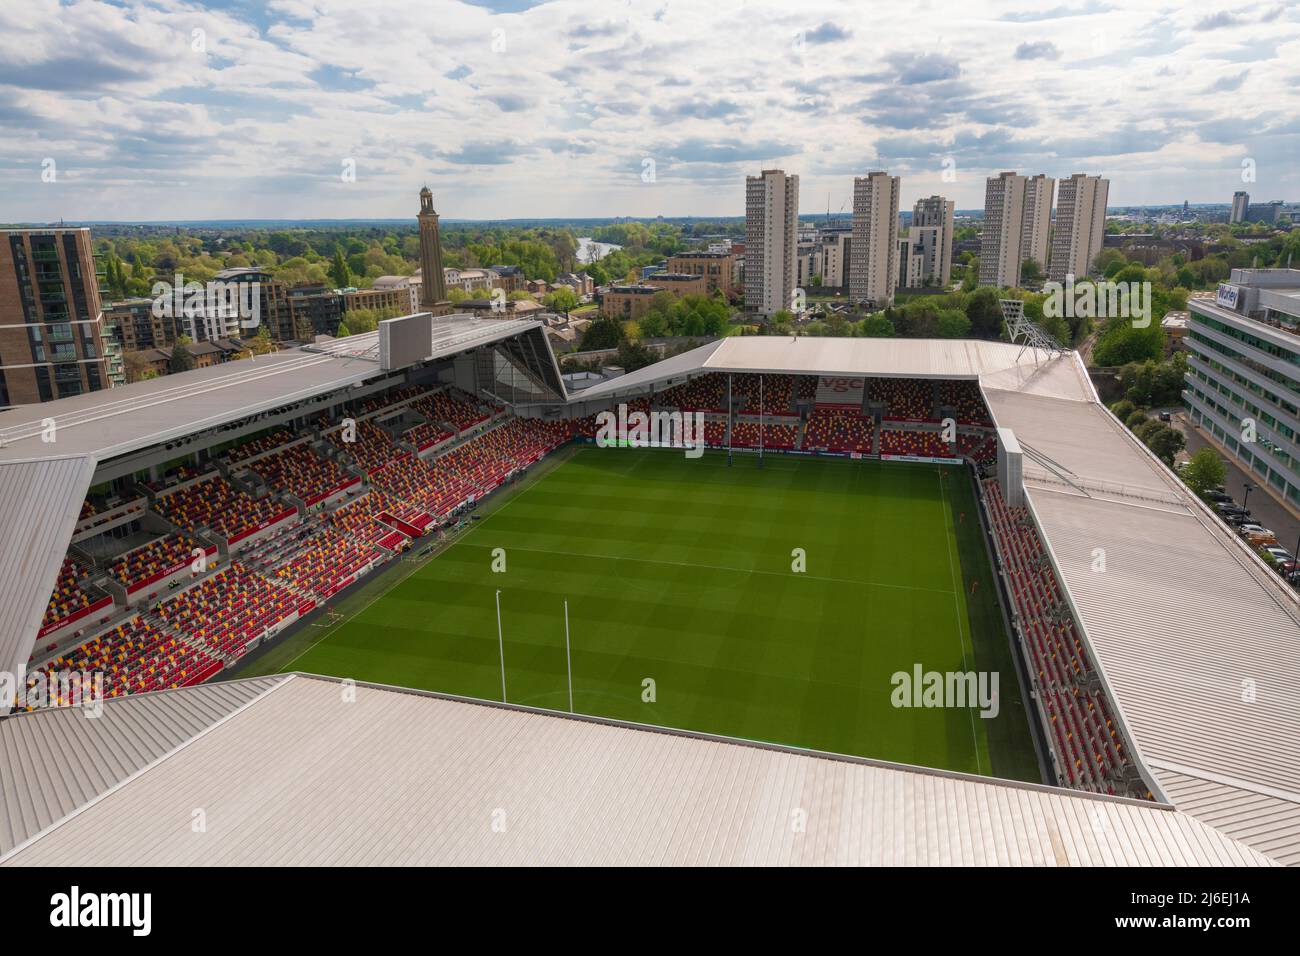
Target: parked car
point(1218, 497)
point(1164, 416)
point(1280, 555)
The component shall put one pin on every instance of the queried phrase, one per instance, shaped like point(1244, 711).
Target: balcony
point(45, 255)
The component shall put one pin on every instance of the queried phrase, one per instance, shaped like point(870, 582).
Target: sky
point(328, 109)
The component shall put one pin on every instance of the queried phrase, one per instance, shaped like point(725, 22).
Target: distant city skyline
point(509, 109)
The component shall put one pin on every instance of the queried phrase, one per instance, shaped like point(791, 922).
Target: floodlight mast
point(1025, 333)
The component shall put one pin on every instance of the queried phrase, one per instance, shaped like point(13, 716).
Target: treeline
point(302, 257)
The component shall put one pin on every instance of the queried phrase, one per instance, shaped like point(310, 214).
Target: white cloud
point(550, 110)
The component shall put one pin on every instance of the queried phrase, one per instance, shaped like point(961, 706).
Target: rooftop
point(269, 759)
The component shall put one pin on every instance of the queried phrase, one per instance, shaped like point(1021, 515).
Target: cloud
point(698, 109)
point(1055, 13)
point(525, 109)
point(1218, 21)
point(827, 33)
point(1228, 84)
point(485, 153)
point(1038, 50)
point(509, 102)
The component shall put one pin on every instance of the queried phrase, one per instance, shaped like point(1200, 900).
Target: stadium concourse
point(207, 513)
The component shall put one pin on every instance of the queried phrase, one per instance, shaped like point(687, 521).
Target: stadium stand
point(372, 449)
point(426, 435)
point(982, 449)
point(68, 600)
point(451, 406)
point(838, 431)
point(256, 446)
point(964, 398)
point(1082, 731)
point(906, 399)
point(708, 393)
point(327, 563)
point(923, 444)
point(214, 503)
point(776, 391)
point(146, 564)
point(359, 519)
point(301, 472)
point(745, 435)
point(134, 657)
point(228, 609)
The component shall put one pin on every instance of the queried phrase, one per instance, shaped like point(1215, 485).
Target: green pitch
point(679, 572)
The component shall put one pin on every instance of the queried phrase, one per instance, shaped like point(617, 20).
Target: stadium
point(310, 580)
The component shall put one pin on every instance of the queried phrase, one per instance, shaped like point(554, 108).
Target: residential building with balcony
point(51, 318)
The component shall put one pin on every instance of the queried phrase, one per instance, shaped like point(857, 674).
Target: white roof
point(814, 355)
point(1184, 620)
point(302, 775)
point(49, 452)
point(97, 754)
point(40, 502)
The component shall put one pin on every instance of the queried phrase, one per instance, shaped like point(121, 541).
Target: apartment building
point(931, 235)
point(52, 336)
point(1000, 241)
point(1036, 221)
point(771, 241)
point(874, 267)
point(1240, 203)
point(1080, 227)
point(717, 268)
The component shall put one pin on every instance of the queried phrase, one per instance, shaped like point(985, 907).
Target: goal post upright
point(729, 418)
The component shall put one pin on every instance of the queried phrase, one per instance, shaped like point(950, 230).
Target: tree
point(634, 355)
point(181, 360)
point(953, 324)
point(877, 326)
point(603, 333)
point(342, 332)
point(985, 313)
point(1136, 420)
point(1166, 442)
point(562, 299)
point(1205, 471)
point(1030, 272)
point(1123, 409)
point(340, 275)
point(1121, 342)
point(653, 325)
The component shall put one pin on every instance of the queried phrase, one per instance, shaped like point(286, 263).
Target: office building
point(1243, 373)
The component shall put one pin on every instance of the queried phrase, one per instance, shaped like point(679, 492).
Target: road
point(1263, 507)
